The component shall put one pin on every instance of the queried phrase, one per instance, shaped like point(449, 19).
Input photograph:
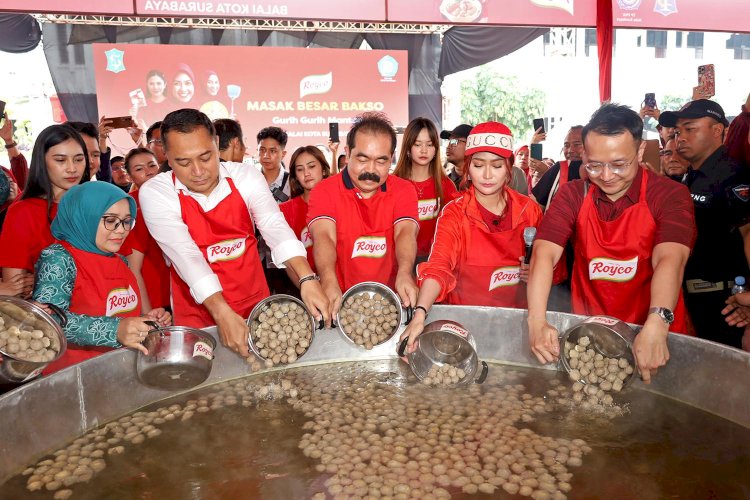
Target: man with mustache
point(672, 162)
point(364, 221)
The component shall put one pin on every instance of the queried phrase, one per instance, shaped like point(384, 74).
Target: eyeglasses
point(112, 223)
point(595, 168)
point(454, 142)
point(156, 141)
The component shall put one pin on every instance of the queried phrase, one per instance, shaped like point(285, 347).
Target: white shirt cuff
point(205, 287)
point(286, 250)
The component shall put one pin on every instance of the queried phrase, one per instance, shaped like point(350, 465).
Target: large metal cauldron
point(46, 414)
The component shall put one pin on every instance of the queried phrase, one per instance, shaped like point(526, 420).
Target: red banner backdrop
point(69, 6)
point(299, 90)
point(355, 10)
point(695, 15)
point(512, 12)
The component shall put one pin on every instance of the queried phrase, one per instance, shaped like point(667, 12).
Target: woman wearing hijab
point(84, 276)
point(183, 84)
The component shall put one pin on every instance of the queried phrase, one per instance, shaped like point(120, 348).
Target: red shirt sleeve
point(673, 210)
point(20, 170)
point(559, 222)
point(323, 200)
point(26, 232)
point(446, 249)
point(406, 203)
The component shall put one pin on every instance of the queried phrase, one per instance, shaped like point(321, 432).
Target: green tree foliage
point(672, 102)
point(493, 97)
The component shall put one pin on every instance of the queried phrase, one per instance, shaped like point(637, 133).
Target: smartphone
point(539, 124)
point(121, 121)
point(333, 131)
point(650, 100)
point(707, 80)
point(651, 155)
point(2, 111)
point(536, 151)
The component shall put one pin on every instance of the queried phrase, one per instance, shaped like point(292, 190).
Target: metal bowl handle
point(57, 311)
point(483, 375)
point(153, 324)
point(409, 315)
point(402, 347)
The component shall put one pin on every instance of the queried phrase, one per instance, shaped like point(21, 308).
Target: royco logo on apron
point(505, 276)
point(226, 250)
point(305, 237)
point(427, 209)
point(121, 300)
point(369, 246)
point(613, 270)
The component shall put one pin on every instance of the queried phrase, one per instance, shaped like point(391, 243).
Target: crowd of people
point(180, 230)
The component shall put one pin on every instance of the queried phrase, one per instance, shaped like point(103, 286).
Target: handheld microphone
point(528, 239)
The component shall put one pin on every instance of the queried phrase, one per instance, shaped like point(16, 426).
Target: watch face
point(669, 315)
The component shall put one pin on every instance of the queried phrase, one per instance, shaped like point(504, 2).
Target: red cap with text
point(491, 137)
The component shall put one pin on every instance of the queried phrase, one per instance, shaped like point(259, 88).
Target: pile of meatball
point(27, 343)
point(369, 318)
point(594, 375)
point(282, 332)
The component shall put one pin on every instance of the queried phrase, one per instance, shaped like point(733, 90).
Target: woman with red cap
point(478, 249)
point(419, 162)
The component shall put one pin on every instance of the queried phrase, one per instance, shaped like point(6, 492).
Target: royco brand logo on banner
point(369, 246)
point(315, 84)
point(121, 300)
point(566, 5)
point(226, 250)
point(613, 270)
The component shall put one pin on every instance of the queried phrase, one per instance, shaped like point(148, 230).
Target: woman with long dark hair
point(59, 161)
point(419, 162)
point(308, 167)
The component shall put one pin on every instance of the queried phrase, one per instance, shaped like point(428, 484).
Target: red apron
point(560, 272)
point(295, 213)
point(104, 286)
point(365, 248)
point(225, 236)
point(490, 273)
point(612, 267)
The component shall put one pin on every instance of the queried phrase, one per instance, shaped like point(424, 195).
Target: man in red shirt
point(364, 221)
point(632, 233)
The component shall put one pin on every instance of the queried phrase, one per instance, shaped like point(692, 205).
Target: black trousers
point(705, 312)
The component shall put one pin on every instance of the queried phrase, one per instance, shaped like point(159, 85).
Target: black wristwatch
point(665, 314)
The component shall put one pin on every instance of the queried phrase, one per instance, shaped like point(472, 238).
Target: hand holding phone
point(121, 122)
point(539, 124)
point(650, 100)
point(333, 132)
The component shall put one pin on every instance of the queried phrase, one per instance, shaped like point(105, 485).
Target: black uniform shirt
point(544, 186)
point(721, 194)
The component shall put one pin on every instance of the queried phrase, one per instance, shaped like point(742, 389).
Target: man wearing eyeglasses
point(455, 150)
point(155, 144)
point(632, 232)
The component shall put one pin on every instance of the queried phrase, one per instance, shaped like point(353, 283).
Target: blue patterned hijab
point(80, 211)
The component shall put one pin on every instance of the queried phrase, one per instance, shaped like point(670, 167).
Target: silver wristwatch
point(665, 314)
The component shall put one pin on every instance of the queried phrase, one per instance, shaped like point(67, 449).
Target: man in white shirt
point(203, 215)
point(271, 150)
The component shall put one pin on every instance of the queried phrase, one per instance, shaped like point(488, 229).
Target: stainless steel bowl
point(178, 358)
point(373, 287)
point(29, 316)
point(264, 305)
point(609, 336)
point(445, 343)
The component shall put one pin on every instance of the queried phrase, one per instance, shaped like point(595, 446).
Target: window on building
point(78, 54)
point(695, 41)
point(657, 40)
point(740, 44)
point(678, 39)
point(590, 42)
